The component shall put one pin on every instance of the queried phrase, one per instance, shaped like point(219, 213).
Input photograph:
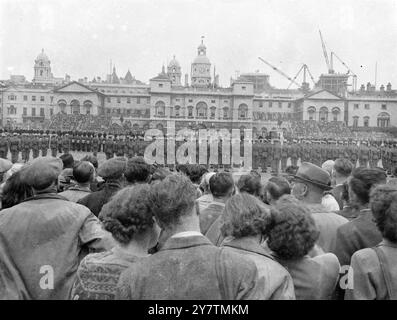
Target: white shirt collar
point(186, 234)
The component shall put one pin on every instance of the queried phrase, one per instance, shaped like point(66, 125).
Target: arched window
point(366, 121)
point(383, 120)
point(62, 106)
point(324, 114)
point(12, 110)
point(355, 121)
point(75, 104)
point(87, 106)
point(213, 112)
point(312, 113)
point(159, 108)
point(177, 111)
point(242, 111)
point(225, 112)
point(201, 110)
point(335, 114)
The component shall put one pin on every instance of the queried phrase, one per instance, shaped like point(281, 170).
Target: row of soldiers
point(265, 153)
point(27, 142)
point(272, 153)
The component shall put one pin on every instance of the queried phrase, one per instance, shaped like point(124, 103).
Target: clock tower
point(201, 68)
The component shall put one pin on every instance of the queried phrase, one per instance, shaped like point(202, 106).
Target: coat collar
point(45, 196)
point(185, 242)
point(248, 244)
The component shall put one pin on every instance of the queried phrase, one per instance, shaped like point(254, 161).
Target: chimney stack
point(186, 80)
point(362, 88)
point(382, 88)
point(368, 86)
point(388, 88)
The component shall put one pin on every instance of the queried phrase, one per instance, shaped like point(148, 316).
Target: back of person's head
point(159, 174)
point(137, 171)
point(292, 231)
point(291, 170)
point(91, 158)
point(277, 187)
point(383, 203)
point(195, 172)
point(343, 167)
point(172, 198)
point(361, 182)
point(205, 182)
point(83, 172)
point(128, 213)
point(222, 184)
point(328, 166)
point(250, 183)
point(15, 190)
point(67, 160)
point(245, 215)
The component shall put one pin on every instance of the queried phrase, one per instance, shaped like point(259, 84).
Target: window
point(12, 110)
point(52, 99)
point(138, 100)
point(355, 122)
point(109, 99)
point(160, 108)
point(243, 88)
point(270, 104)
point(311, 112)
point(212, 101)
point(201, 110)
point(177, 99)
point(225, 113)
point(128, 100)
point(160, 85)
point(148, 100)
point(289, 105)
point(225, 101)
point(213, 112)
point(366, 106)
point(108, 110)
point(280, 104)
point(383, 120)
point(190, 100)
point(25, 111)
point(177, 111)
point(384, 107)
point(41, 98)
point(190, 112)
point(25, 98)
point(12, 97)
point(33, 98)
point(243, 111)
point(42, 112)
point(356, 106)
point(33, 112)
point(261, 105)
point(366, 121)
point(118, 100)
point(324, 114)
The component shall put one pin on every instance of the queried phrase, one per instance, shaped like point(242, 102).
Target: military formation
point(266, 153)
point(22, 144)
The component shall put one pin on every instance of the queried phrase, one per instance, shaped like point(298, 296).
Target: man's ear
point(305, 190)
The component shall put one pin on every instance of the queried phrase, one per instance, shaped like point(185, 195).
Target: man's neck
point(221, 200)
point(340, 180)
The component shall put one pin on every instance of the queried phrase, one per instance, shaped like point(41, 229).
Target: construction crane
point(279, 71)
point(329, 64)
point(305, 69)
point(349, 71)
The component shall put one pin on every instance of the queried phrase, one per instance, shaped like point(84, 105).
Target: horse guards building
point(249, 102)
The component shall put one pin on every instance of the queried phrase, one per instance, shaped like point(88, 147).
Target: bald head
point(83, 172)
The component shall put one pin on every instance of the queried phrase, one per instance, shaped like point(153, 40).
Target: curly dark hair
point(245, 215)
point(172, 198)
point(383, 204)
point(15, 191)
point(128, 213)
point(363, 179)
point(250, 183)
point(137, 170)
point(293, 231)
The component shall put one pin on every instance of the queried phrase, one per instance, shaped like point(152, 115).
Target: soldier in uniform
point(108, 147)
point(54, 144)
point(120, 147)
point(285, 152)
point(276, 156)
point(15, 147)
point(26, 146)
point(354, 153)
point(3, 146)
point(294, 153)
point(385, 156)
point(44, 143)
point(95, 144)
point(130, 147)
point(374, 155)
point(60, 136)
point(35, 146)
point(363, 156)
point(256, 149)
point(66, 143)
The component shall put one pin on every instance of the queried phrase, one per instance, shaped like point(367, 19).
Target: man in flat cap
point(44, 237)
point(112, 171)
point(309, 184)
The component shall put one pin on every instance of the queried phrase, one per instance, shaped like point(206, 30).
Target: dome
point(42, 56)
point(202, 59)
point(174, 63)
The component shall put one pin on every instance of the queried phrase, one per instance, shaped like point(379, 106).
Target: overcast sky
point(82, 36)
